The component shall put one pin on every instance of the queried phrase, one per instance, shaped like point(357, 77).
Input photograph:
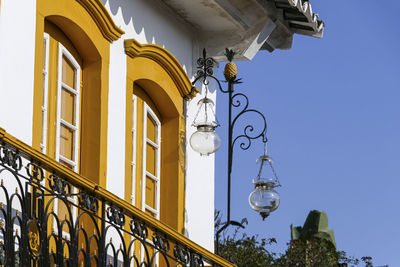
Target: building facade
point(97, 105)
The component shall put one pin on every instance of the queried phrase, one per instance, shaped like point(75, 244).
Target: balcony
point(52, 216)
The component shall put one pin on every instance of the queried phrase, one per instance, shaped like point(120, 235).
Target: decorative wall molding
point(103, 19)
point(167, 61)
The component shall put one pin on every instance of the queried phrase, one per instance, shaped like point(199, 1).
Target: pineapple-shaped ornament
point(230, 71)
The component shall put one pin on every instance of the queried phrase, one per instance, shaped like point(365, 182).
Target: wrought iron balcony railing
point(51, 216)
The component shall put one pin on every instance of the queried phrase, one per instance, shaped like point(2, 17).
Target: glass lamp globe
point(205, 140)
point(266, 171)
point(264, 199)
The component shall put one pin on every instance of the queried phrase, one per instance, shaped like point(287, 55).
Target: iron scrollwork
point(182, 254)
point(205, 70)
point(196, 260)
point(205, 67)
point(160, 242)
point(59, 186)
point(46, 224)
point(139, 229)
point(88, 202)
point(116, 216)
point(35, 172)
point(10, 158)
point(248, 131)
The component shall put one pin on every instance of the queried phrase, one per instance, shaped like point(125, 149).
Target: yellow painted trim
point(86, 36)
point(103, 19)
point(164, 58)
point(81, 181)
point(38, 86)
point(161, 87)
point(52, 99)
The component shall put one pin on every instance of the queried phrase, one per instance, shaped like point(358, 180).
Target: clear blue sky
point(333, 109)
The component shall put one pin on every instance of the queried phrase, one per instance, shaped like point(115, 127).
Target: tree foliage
point(247, 251)
point(252, 251)
point(314, 252)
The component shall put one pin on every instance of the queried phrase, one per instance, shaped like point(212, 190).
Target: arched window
point(85, 30)
point(68, 108)
point(72, 56)
point(155, 132)
point(61, 108)
point(61, 90)
point(146, 151)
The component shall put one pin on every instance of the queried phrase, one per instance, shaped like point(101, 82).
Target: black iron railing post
point(102, 241)
point(24, 233)
point(10, 253)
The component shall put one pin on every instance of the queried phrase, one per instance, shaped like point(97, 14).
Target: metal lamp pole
point(241, 102)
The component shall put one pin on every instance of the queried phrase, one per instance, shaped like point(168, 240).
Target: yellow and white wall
point(129, 43)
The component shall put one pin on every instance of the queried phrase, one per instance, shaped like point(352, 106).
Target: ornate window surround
point(166, 83)
point(91, 29)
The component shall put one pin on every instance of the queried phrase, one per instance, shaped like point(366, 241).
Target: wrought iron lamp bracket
point(248, 130)
point(240, 103)
point(205, 71)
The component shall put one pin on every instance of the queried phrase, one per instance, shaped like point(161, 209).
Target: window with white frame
point(151, 162)
point(134, 135)
point(45, 90)
point(68, 107)
point(67, 122)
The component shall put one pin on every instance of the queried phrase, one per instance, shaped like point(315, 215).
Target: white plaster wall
point(149, 21)
point(17, 56)
point(199, 184)
point(116, 120)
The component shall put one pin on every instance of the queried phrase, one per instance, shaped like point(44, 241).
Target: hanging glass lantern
point(205, 140)
point(264, 199)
